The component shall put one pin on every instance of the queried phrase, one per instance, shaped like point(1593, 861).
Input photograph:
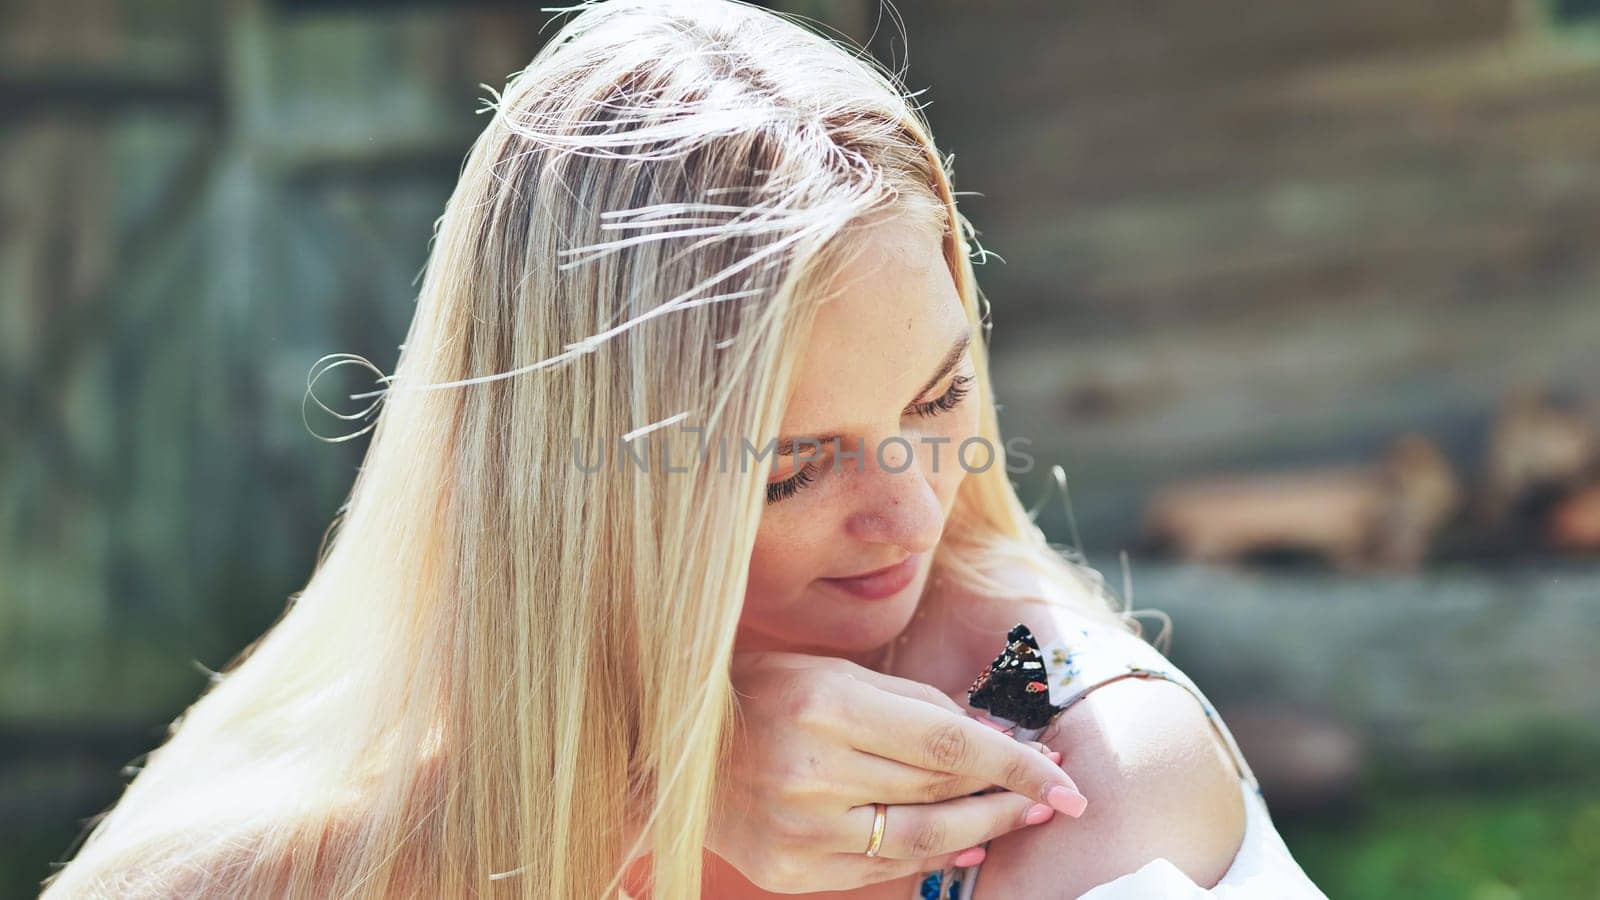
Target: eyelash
point(950, 399)
point(960, 386)
point(783, 490)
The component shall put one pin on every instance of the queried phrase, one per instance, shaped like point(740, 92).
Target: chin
point(858, 625)
point(825, 620)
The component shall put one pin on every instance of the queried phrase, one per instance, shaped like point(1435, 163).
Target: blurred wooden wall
point(1234, 234)
point(1242, 235)
point(197, 201)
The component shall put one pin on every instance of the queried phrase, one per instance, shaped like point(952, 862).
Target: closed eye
point(783, 490)
point(960, 386)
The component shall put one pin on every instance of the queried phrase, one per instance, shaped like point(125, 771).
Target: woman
point(612, 610)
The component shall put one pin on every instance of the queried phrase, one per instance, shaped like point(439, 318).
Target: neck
point(877, 659)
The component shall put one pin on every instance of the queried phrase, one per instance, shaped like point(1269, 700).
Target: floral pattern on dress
point(935, 880)
point(1061, 661)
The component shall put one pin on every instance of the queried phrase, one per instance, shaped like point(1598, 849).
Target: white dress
point(1097, 655)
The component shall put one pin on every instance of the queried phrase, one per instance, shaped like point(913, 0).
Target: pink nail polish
point(1066, 800)
point(1038, 814)
point(1054, 756)
point(971, 856)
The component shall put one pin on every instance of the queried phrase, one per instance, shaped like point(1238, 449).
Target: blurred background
point(1303, 298)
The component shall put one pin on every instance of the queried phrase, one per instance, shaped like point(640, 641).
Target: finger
point(849, 871)
point(919, 735)
point(892, 781)
point(918, 831)
point(864, 870)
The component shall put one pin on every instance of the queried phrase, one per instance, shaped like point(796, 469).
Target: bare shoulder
point(1159, 783)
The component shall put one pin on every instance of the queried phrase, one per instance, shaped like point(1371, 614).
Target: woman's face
point(867, 468)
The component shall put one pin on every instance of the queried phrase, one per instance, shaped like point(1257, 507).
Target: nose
point(899, 508)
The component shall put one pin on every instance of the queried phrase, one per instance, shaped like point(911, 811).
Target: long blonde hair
point(499, 651)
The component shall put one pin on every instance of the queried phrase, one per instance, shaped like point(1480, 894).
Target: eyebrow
point(786, 446)
point(950, 359)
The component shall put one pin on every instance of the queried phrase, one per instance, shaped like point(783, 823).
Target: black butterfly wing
point(1015, 685)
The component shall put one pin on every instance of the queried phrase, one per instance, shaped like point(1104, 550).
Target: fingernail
point(971, 856)
point(1038, 814)
point(1066, 800)
point(1054, 756)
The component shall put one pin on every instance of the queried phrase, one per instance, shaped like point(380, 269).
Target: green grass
point(1513, 843)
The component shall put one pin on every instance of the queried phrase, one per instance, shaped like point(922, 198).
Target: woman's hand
point(819, 740)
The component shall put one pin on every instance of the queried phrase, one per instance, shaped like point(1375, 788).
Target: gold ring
point(880, 815)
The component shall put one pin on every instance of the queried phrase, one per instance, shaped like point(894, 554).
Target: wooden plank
point(1437, 670)
point(1126, 411)
point(1233, 136)
point(1042, 50)
point(1167, 269)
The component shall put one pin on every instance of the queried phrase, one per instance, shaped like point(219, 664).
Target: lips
point(879, 583)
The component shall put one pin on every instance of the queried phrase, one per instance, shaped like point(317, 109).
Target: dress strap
point(1091, 655)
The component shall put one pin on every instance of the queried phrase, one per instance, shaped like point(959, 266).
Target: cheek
point(954, 463)
point(781, 565)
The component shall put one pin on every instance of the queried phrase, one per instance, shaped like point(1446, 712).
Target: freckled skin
point(856, 381)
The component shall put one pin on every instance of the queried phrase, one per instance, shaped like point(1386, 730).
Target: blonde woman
point(674, 549)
